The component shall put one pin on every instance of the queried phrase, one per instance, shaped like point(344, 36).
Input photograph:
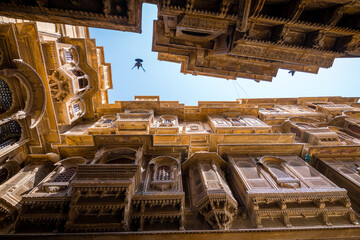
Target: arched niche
point(76, 109)
point(298, 125)
point(163, 173)
point(167, 121)
point(68, 55)
point(28, 76)
point(121, 155)
point(31, 87)
point(60, 178)
point(275, 166)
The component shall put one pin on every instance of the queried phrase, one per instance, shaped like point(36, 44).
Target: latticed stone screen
point(10, 133)
point(65, 175)
point(5, 96)
point(163, 173)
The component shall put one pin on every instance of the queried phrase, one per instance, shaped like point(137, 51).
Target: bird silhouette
point(138, 64)
point(292, 72)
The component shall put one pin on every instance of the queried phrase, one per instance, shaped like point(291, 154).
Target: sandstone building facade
point(73, 165)
point(222, 38)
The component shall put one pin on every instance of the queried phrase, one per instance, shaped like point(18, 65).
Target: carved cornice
point(204, 24)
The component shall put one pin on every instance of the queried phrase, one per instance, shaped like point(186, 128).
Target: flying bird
point(292, 73)
point(138, 64)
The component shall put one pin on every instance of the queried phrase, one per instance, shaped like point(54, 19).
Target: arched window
point(278, 171)
point(274, 166)
point(5, 96)
point(65, 175)
point(237, 121)
point(68, 56)
point(10, 133)
point(163, 173)
point(167, 121)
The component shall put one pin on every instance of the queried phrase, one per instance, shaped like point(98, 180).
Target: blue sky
point(165, 80)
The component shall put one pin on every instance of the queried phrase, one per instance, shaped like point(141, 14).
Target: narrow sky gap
point(165, 79)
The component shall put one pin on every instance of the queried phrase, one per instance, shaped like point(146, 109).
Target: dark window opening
point(10, 133)
point(195, 34)
point(3, 175)
point(83, 82)
point(77, 73)
point(350, 21)
point(121, 161)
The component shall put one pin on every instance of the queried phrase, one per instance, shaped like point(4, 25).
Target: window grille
point(68, 56)
point(107, 121)
point(162, 173)
point(65, 175)
point(5, 97)
point(278, 171)
point(76, 108)
point(10, 133)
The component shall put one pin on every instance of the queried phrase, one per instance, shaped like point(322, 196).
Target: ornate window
point(77, 72)
point(248, 170)
point(76, 108)
point(68, 56)
point(167, 121)
point(163, 173)
point(107, 121)
point(351, 174)
point(83, 83)
point(10, 133)
point(5, 96)
point(117, 156)
point(237, 121)
point(65, 175)
point(277, 171)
